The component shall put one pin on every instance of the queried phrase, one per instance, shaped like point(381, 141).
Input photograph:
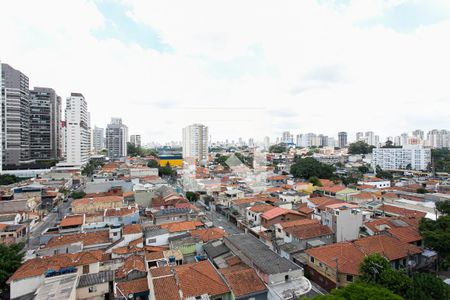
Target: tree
point(363, 169)
point(360, 147)
point(309, 167)
point(78, 195)
point(441, 158)
point(383, 174)
point(390, 144)
point(315, 181)
point(360, 291)
point(396, 281)
point(10, 260)
point(167, 171)
point(427, 286)
point(372, 267)
point(7, 179)
point(436, 233)
point(152, 164)
point(278, 148)
point(191, 196)
point(421, 190)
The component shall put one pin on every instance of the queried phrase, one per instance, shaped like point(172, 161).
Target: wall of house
point(161, 240)
point(280, 277)
point(25, 286)
point(102, 289)
point(283, 218)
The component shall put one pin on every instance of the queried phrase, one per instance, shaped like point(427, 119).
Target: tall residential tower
point(195, 142)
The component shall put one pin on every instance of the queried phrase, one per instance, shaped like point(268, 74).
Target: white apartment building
point(195, 142)
point(78, 135)
point(344, 219)
point(135, 139)
point(415, 156)
point(116, 138)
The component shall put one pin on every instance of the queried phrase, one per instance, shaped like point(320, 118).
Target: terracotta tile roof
point(332, 189)
point(119, 212)
point(322, 202)
point(128, 194)
point(154, 256)
point(131, 263)
point(274, 190)
point(348, 255)
point(40, 265)
point(277, 177)
point(208, 234)
point(85, 201)
point(161, 271)
point(326, 182)
point(127, 250)
point(181, 226)
point(388, 246)
point(133, 286)
point(255, 199)
point(402, 211)
point(276, 212)
point(132, 229)
point(87, 238)
point(155, 248)
point(308, 231)
point(301, 222)
point(260, 208)
point(305, 210)
point(244, 282)
point(136, 242)
point(75, 220)
point(363, 196)
point(233, 260)
point(166, 288)
point(200, 278)
point(406, 234)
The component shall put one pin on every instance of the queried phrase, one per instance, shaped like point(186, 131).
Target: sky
point(243, 68)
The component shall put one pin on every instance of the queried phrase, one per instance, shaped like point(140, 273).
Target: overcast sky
point(244, 68)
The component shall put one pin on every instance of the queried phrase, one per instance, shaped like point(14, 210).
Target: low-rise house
point(77, 242)
point(170, 215)
point(156, 236)
point(318, 204)
point(402, 228)
point(208, 234)
point(293, 196)
point(32, 273)
point(143, 172)
point(96, 204)
point(344, 219)
point(133, 289)
point(133, 268)
point(121, 215)
point(95, 286)
point(244, 282)
point(72, 223)
point(192, 280)
point(281, 275)
point(11, 234)
point(360, 198)
point(375, 182)
point(277, 215)
point(344, 258)
point(253, 215)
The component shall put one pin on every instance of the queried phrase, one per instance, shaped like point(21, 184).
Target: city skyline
point(356, 62)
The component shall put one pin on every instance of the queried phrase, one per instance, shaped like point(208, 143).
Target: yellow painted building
point(173, 160)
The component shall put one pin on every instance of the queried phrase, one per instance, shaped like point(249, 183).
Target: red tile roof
point(322, 202)
point(200, 278)
point(166, 288)
point(131, 263)
point(87, 238)
point(388, 246)
point(76, 220)
point(119, 212)
point(309, 231)
point(133, 286)
point(38, 266)
point(260, 208)
point(85, 201)
point(333, 189)
point(132, 229)
point(182, 226)
point(243, 281)
point(402, 211)
point(301, 222)
point(154, 256)
point(276, 212)
point(209, 234)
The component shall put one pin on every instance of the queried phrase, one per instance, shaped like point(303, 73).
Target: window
point(311, 259)
point(151, 241)
point(86, 269)
point(286, 277)
point(350, 278)
point(92, 289)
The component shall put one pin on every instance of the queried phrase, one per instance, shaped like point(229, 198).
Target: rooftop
point(95, 278)
point(261, 256)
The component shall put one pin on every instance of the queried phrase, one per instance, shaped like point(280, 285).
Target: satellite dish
point(130, 296)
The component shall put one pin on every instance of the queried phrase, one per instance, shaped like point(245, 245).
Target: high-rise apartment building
point(359, 136)
point(77, 131)
point(195, 142)
point(15, 116)
point(135, 139)
point(116, 138)
point(342, 139)
point(287, 137)
point(45, 121)
point(98, 139)
point(415, 157)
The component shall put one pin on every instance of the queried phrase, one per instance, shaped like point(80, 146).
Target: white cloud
point(295, 65)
